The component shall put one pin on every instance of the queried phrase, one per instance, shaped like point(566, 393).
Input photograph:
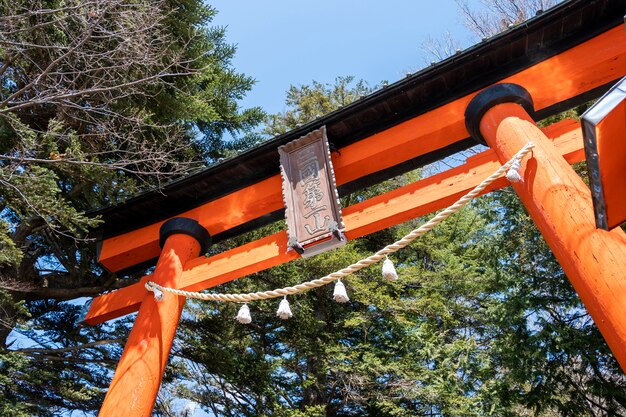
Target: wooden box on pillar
point(604, 132)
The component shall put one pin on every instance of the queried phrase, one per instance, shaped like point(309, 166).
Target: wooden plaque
point(313, 213)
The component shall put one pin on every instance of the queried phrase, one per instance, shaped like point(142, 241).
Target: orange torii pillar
point(138, 376)
point(560, 203)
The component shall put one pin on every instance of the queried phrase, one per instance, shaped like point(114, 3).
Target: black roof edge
point(604, 14)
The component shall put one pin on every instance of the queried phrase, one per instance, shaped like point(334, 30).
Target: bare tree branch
point(68, 349)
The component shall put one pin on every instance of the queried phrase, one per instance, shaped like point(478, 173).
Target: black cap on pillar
point(491, 96)
point(185, 226)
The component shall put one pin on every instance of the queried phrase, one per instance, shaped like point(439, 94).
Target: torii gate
point(568, 55)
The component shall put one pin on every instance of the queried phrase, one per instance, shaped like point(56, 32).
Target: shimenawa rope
point(513, 163)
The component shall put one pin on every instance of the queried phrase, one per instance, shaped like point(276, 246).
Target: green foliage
point(10, 386)
point(64, 368)
point(122, 98)
point(99, 100)
point(308, 102)
point(558, 359)
point(9, 252)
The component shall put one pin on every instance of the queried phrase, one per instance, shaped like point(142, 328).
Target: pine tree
point(99, 99)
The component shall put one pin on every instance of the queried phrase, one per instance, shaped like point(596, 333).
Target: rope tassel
point(284, 312)
point(158, 294)
point(389, 271)
point(339, 294)
point(243, 316)
point(513, 174)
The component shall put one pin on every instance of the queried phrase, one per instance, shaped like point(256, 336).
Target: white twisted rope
point(394, 247)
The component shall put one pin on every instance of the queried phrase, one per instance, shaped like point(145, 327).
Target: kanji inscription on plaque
point(313, 213)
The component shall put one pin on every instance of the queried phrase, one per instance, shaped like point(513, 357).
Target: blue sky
point(284, 42)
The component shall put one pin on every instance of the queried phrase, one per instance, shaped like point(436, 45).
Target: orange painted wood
point(139, 372)
point(583, 68)
point(560, 204)
point(385, 210)
point(611, 133)
point(140, 245)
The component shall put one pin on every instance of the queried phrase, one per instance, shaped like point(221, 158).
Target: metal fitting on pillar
point(492, 96)
point(185, 226)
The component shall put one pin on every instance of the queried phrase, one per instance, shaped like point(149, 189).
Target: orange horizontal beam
point(576, 71)
point(410, 201)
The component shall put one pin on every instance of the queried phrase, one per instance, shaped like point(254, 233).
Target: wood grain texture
point(560, 203)
point(139, 372)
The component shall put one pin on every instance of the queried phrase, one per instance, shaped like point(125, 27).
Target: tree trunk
point(8, 319)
